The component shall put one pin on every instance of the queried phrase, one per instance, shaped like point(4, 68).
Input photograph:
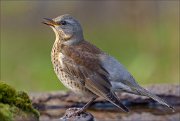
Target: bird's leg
point(80, 110)
point(87, 105)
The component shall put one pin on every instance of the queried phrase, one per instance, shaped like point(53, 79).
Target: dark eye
point(63, 22)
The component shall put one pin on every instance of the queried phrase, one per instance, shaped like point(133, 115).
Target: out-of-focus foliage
point(144, 36)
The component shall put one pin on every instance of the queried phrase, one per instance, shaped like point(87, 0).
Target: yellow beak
point(49, 22)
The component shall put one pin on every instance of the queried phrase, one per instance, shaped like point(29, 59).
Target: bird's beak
point(49, 22)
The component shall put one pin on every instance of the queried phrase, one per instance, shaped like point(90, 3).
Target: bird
point(87, 70)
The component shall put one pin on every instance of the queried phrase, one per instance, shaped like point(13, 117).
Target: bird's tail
point(145, 92)
point(138, 90)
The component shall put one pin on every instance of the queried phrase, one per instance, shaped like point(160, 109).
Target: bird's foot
point(77, 113)
point(73, 112)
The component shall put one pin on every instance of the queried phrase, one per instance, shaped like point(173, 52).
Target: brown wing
point(84, 65)
point(87, 67)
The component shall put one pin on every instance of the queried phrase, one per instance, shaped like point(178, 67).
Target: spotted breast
point(71, 82)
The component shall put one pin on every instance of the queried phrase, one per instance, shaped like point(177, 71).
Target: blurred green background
point(143, 36)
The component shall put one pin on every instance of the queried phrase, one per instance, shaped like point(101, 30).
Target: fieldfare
point(87, 70)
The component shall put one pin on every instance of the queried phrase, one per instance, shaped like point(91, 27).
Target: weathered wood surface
point(52, 105)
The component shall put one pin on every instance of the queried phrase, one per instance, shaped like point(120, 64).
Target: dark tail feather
point(145, 92)
point(114, 100)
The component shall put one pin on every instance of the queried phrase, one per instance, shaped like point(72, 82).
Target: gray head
point(66, 28)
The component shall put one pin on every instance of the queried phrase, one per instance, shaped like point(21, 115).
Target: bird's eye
point(63, 22)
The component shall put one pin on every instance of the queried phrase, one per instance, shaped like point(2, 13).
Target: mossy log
point(53, 105)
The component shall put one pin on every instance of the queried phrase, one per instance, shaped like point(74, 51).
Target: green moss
point(5, 112)
point(15, 103)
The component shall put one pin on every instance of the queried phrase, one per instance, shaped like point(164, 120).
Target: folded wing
point(87, 68)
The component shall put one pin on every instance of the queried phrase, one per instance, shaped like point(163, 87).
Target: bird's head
point(66, 28)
